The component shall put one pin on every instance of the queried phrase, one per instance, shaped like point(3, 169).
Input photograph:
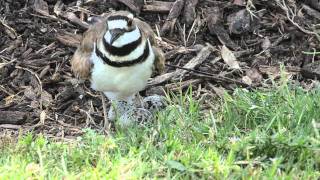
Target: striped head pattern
point(123, 43)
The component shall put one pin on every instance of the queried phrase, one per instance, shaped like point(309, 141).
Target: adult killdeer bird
point(118, 54)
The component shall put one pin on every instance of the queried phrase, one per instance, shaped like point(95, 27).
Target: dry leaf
point(229, 58)
point(33, 168)
point(254, 75)
point(43, 116)
point(266, 44)
point(220, 91)
point(247, 80)
point(30, 93)
point(46, 98)
point(272, 71)
point(9, 99)
point(2, 65)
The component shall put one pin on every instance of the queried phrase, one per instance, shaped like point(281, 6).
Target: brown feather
point(159, 62)
point(147, 30)
point(80, 62)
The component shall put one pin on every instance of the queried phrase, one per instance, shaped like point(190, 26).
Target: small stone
point(43, 29)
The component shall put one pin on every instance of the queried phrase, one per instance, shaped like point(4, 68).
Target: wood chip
point(239, 2)
point(41, 7)
point(311, 70)
point(10, 126)
point(312, 12)
point(313, 3)
point(12, 117)
point(239, 22)
point(158, 7)
point(74, 19)
point(134, 5)
point(172, 17)
point(214, 21)
point(189, 13)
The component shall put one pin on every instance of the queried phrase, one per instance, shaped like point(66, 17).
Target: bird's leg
point(104, 107)
point(113, 98)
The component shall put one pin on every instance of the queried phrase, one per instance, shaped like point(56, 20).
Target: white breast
point(124, 81)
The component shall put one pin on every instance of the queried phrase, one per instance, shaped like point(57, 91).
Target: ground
point(213, 47)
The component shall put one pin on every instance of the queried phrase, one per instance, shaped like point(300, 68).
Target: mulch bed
point(215, 46)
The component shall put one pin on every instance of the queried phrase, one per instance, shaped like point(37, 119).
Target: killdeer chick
point(118, 54)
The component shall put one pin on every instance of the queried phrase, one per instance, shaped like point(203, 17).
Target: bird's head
point(119, 24)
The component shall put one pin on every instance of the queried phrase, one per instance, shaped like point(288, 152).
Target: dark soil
point(39, 93)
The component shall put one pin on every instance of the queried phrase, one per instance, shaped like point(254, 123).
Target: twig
point(89, 119)
point(191, 29)
point(6, 63)
point(9, 30)
point(10, 126)
point(291, 17)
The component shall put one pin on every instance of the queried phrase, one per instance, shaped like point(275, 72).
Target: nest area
point(214, 46)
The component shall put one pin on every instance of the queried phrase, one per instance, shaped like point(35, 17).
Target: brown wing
point(159, 62)
point(80, 62)
point(147, 30)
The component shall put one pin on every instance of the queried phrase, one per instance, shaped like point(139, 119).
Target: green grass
point(259, 134)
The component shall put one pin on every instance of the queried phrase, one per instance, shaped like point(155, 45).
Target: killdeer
point(118, 54)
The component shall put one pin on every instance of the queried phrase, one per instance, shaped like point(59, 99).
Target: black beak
point(115, 34)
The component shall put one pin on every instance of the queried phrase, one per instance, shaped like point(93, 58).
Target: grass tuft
point(259, 134)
